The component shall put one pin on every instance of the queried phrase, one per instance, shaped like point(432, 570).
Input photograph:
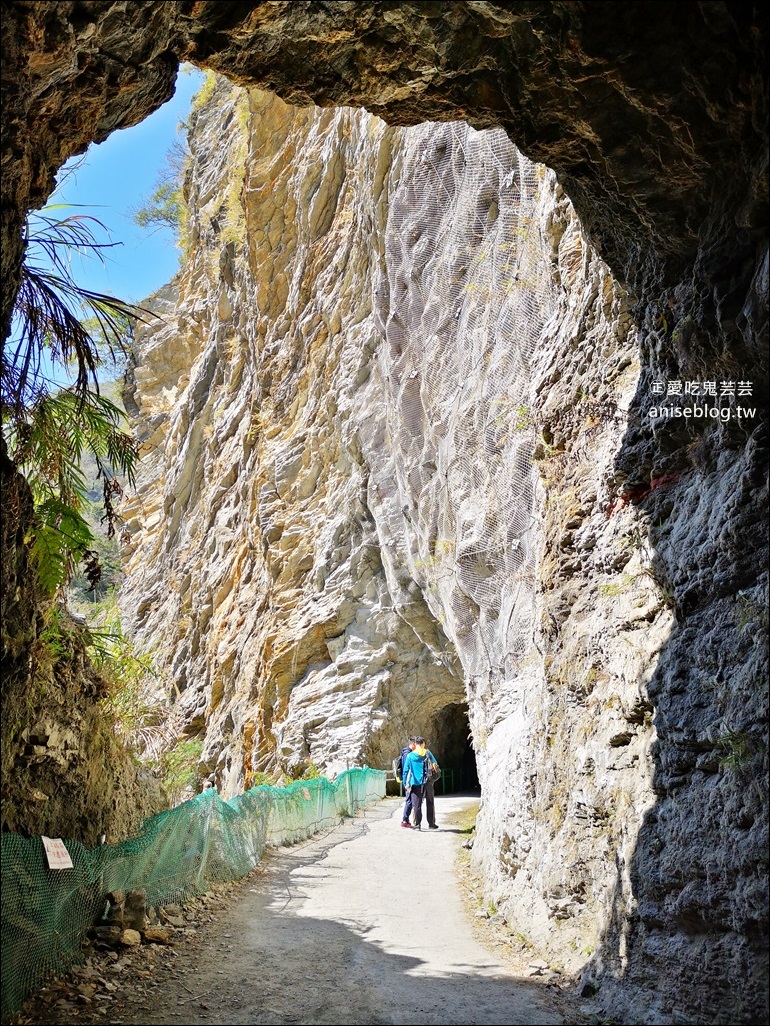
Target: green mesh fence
point(47, 913)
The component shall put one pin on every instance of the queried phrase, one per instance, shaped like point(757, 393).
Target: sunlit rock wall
point(256, 571)
point(380, 414)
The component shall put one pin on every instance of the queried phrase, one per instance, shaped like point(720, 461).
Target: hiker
point(398, 766)
point(432, 772)
point(414, 781)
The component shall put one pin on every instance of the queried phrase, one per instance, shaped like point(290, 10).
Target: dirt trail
point(363, 925)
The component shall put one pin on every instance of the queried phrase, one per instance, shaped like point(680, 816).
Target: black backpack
point(398, 764)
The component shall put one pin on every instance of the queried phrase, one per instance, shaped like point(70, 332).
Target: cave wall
point(640, 108)
point(654, 118)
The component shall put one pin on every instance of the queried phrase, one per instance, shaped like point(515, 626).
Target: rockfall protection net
point(46, 913)
point(467, 299)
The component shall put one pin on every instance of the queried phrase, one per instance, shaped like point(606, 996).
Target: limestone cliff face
point(280, 626)
point(338, 532)
point(388, 410)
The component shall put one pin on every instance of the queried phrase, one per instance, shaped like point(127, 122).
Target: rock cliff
point(388, 405)
point(403, 460)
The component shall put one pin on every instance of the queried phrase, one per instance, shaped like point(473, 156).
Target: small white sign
point(57, 854)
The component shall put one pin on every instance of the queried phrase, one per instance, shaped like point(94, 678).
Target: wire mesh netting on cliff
point(468, 298)
point(46, 913)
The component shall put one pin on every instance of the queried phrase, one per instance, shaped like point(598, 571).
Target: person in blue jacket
point(432, 773)
point(414, 782)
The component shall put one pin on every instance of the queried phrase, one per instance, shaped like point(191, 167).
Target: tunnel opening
point(451, 742)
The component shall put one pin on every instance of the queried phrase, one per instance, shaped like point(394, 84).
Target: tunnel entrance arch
point(451, 742)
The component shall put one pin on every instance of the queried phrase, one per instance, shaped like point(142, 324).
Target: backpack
point(398, 764)
point(432, 771)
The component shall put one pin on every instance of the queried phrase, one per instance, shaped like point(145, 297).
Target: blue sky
point(114, 178)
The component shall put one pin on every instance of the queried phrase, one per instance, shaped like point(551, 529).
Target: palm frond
point(56, 318)
point(61, 326)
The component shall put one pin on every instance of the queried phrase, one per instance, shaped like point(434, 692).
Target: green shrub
point(180, 768)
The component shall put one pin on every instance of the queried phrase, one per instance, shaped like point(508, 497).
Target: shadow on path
point(364, 925)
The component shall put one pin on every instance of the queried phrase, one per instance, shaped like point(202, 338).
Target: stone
point(176, 921)
point(159, 934)
point(339, 568)
point(135, 909)
point(131, 938)
point(107, 934)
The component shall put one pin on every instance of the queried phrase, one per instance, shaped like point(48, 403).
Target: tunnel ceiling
point(654, 114)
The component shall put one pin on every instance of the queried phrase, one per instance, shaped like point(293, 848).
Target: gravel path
point(363, 925)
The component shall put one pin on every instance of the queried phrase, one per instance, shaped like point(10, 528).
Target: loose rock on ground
point(362, 925)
